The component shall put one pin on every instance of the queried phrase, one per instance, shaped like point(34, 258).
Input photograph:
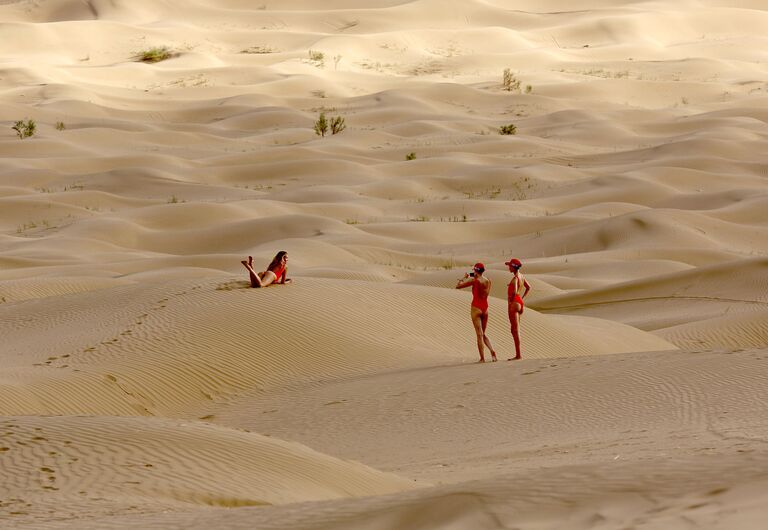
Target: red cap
point(479, 265)
point(516, 263)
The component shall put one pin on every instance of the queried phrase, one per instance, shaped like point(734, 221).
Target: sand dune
point(207, 341)
point(633, 189)
point(103, 464)
point(673, 299)
point(540, 453)
point(730, 331)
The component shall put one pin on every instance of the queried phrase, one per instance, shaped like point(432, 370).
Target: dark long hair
point(276, 260)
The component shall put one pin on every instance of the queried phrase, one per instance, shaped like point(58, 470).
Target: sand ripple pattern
point(634, 189)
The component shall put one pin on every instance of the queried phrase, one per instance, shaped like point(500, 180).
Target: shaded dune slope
point(674, 298)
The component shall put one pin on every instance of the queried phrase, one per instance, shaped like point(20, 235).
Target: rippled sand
point(144, 385)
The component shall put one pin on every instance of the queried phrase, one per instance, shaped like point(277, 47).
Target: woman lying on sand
point(276, 272)
point(481, 286)
point(515, 303)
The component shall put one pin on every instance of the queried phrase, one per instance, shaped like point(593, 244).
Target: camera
point(472, 274)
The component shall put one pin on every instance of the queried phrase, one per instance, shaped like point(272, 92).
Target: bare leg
point(477, 322)
point(255, 280)
point(268, 278)
point(486, 340)
point(514, 323)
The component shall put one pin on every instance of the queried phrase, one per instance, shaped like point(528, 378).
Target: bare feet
point(255, 280)
point(493, 356)
point(514, 358)
point(481, 360)
point(250, 261)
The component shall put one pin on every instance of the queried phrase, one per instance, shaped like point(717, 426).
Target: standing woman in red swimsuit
point(515, 303)
point(276, 272)
point(481, 286)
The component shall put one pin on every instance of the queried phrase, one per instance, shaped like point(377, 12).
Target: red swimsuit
point(513, 295)
point(479, 300)
point(279, 271)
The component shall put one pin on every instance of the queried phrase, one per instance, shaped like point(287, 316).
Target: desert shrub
point(60, 126)
point(24, 129)
point(154, 55)
point(508, 129)
point(337, 125)
point(410, 156)
point(321, 125)
point(509, 81)
point(528, 89)
point(259, 49)
point(317, 57)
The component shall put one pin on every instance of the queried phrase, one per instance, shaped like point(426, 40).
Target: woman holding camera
point(481, 287)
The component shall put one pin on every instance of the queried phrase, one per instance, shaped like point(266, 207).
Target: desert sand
point(145, 385)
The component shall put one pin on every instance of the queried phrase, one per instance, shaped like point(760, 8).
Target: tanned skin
point(262, 279)
point(479, 317)
point(515, 309)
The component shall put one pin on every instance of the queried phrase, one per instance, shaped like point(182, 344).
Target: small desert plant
point(259, 49)
point(60, 126)
point(172, 199)
point(508, 129)
point(24, 130)
point(317, 57)
point(154, 55)
point(410, 156)
point(337, 125)
point(528, 89)
point(321, 125)
point(509, 81)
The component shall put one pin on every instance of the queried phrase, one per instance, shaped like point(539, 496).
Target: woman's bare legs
point(268, 278)
point(486, 340)
point(480, 321)
point(261, 279)
point(255, 280)
point(514, 323)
